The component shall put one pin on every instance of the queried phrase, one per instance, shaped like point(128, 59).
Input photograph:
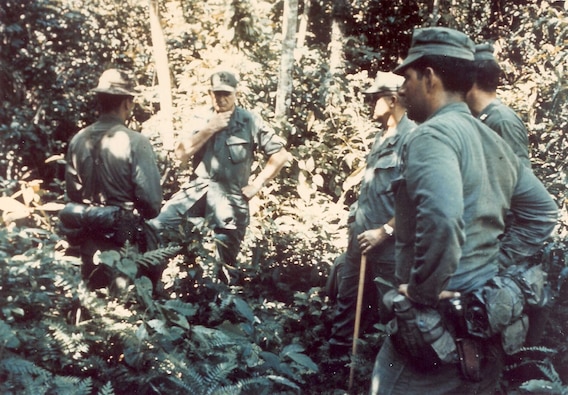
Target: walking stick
point(358, 309)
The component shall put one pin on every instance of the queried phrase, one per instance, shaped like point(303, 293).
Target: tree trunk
point(435, 14)
point(163, 72)
point(289, 25)
point(303, 28)
point(336, 49)
point(336, 53)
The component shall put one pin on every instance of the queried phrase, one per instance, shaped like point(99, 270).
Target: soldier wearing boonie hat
point(484, 104)
point(458, 181)
point(109, 164)
point(384, 83)
point(371, 223)
point(116, 82)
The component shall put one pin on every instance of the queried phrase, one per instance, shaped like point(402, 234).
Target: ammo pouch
point(533, 283)
point(419, 333)
point(500, 306)
point(79, 222)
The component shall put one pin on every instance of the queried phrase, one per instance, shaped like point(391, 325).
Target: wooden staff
point(362, 271)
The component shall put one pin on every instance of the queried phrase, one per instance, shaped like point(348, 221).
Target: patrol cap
point(385, 82)
point(484, 52)
point(224, 81)
point(440, 41)
point(116, 82)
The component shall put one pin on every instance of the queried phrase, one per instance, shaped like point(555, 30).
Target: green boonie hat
point(224, 81)
point(440, 41)
point(385, 82)
point(484, 52)
point(116, 82)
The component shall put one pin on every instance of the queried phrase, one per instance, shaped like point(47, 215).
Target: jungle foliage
point(268, 335)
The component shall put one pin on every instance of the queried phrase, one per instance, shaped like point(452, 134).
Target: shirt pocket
point(239, 148)
point(385, 172)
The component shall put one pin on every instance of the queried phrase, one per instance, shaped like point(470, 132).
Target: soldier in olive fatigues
point(222, 147)
point(109, 164)
point(371, 216)
point(458, 182)
point(484, 104)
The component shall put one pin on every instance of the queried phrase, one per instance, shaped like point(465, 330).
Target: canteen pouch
point(532, 282)
point(497, 309)
point(419, 333)
point(513, 336)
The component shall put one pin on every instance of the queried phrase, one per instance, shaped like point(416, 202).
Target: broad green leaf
point(128, 267)
point(304, 360)
point(244, 309)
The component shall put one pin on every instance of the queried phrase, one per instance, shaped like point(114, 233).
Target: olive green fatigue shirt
point(222, 167)
point(459, 181)
point(127, 171)
point(375, 204)
point(508, 125)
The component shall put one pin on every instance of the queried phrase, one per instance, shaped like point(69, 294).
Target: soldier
point(458, 181)
point(222, 145)
point(371, 219)
point(484, 104)
point(112, 166)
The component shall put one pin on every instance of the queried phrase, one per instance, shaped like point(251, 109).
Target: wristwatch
point(389, 230)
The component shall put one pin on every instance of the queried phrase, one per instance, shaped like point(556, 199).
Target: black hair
point(109, 103)
point(487, 75)
point(457, 75)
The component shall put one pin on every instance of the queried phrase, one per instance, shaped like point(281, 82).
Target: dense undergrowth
point(266, 334)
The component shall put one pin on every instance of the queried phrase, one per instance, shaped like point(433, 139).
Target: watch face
point(388, 229)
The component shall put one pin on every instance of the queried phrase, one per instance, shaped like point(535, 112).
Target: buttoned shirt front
point(375, 204)
point(223, 165)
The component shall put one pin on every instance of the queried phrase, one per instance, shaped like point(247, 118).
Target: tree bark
point(285, 81)
point(336, 45)
point(163, 73)
point(303, 28)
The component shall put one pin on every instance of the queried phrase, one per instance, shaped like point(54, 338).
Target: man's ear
point(430, 78)
point(128, 103)
point(393, 99)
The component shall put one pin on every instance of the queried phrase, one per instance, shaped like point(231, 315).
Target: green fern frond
point(63, 385)
point(106, 389)
point(158, 256)
point(189, 380)
point(550, 373)
point(541, 349)
point(212, 338)
point(219, 373)
point(21, 367)
point(72, 343)
point(243, 385)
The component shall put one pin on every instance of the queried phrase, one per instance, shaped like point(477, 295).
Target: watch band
point(389, 230)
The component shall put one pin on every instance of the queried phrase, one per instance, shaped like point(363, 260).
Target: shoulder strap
point(93, 191)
